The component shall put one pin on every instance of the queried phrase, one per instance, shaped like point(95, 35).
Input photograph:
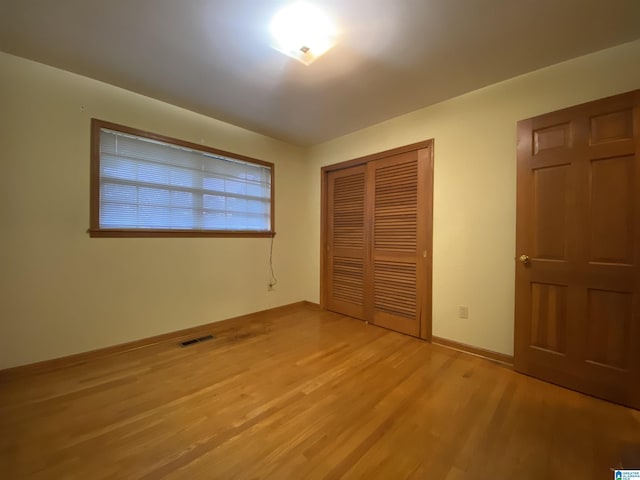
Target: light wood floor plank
point(303, 394)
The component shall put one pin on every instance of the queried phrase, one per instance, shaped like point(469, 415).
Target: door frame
point(426, 318)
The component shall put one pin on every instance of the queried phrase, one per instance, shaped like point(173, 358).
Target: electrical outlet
point(463, 312)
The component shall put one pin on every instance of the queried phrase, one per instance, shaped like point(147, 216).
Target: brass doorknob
point(524, 259)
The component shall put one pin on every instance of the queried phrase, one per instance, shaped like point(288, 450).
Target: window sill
point(150, 233)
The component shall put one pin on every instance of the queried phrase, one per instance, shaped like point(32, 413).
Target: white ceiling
point(392, 56)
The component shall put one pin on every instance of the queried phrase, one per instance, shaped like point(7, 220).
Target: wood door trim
point(377, 156)
point(426, 318)
point(426, 314)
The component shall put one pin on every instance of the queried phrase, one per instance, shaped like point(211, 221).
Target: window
point(144, 185)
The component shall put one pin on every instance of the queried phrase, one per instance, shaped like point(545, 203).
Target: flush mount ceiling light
point(302, 31)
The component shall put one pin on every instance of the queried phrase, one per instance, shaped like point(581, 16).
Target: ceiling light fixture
point(302, 31)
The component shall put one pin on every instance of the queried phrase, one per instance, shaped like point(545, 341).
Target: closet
point(377, 238)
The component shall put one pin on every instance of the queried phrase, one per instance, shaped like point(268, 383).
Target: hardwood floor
point(303, 394)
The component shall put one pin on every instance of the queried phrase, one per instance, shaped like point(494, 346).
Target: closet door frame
point(426, 318)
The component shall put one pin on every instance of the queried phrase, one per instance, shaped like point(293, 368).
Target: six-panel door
point(578, 222)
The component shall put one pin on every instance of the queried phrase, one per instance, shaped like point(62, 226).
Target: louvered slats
point(377, 241)
point(348, 211)
point(348, 280)
point(347, 252)
point(395, 288)
point(395, 240)
point(395, 220)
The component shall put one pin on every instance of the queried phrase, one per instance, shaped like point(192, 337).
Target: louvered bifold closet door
point(398, 243)
point(346, 241)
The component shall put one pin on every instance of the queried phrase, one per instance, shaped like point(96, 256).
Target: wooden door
point(346, 241)
point(398, 247)
point(578, 247)
point(377, 237)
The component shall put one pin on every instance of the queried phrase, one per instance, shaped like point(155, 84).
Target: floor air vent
point(193, 341)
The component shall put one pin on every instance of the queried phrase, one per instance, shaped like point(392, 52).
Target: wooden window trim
point(94, 211)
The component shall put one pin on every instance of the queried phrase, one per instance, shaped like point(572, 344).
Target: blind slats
point(161, 187)
point(150, 184)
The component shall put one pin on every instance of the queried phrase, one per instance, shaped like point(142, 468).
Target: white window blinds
point(150, 184)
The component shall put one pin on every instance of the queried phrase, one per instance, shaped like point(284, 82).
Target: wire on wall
point(273, 281)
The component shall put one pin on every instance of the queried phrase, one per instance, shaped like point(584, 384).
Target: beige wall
point(62, 292)
point(474, 192)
